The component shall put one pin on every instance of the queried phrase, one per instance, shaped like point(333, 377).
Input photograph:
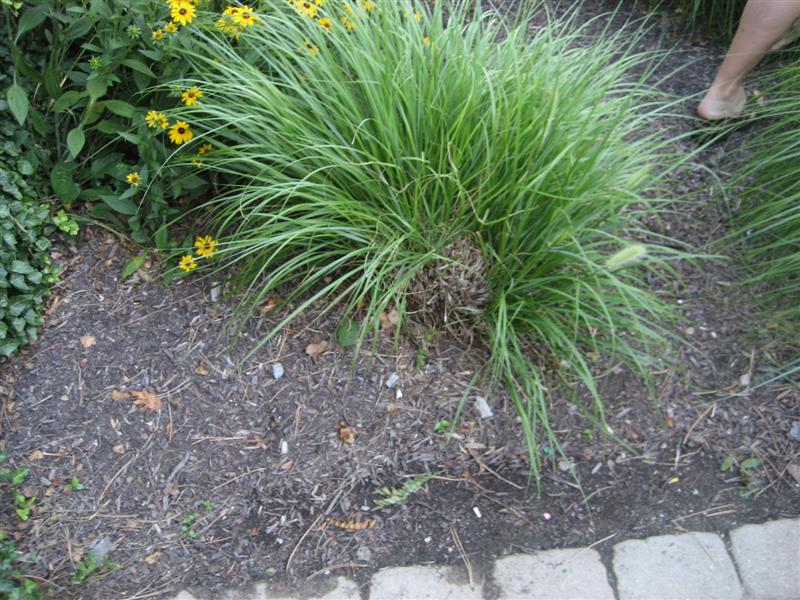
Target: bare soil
point(241, 476)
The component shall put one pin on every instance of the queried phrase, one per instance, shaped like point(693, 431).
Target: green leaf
point(138, 65)
point(75, 141)
point(96, 87)
point(726, 464)
point(126, 206)
point(750, 463)
point(121, 108)
point(66, 100)
point(133, 265)
point(347, 333)
point(21, 266)
point(64, 186)
point(31, 19)
point(18, 103)
point(161, 239)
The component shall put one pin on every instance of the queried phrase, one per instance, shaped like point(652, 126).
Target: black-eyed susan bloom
point(191, 95)
point(367, 5)
point(245, 17)
point(205, 246)
point(326, 23)
point(171, 27)
point(182, 12)
point(180, 133)
point(157, 35)
point(312, 49)
point(204, 149)
point(156, 119)
point(134, 179)
point(187, 263)
point(308, 9)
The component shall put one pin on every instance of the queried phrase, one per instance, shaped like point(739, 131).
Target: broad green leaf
point(75, 141)
point(138, 65)
point(120, 107)
point(66, 100)
point(126, 206)
point(133, 265)
point(161, 238)
point(64, 186)
point(18, 103)
point(96, 88)
point(31, 19)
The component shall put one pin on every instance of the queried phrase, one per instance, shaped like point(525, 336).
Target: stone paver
point(421, 583)
point(768, 557)
point(553, 575)
point(692, 565)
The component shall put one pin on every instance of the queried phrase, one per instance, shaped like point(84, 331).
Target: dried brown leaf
point(269, 306)
point(87, 341)
point(119, 448)
point(314, 349)
point(153, 558)
point(201, 371)
point(148, 400)
point(35, 455)
point(120, 395)
point(346, 434)
point(390, 320)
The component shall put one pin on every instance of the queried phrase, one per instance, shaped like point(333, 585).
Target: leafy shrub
point(769, 217)
point(86, 96)
point(451, 169)
point(25, 224)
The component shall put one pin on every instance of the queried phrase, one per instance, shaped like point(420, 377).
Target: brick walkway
point(752, 562)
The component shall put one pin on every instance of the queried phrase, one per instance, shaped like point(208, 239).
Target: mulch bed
point(240, 476)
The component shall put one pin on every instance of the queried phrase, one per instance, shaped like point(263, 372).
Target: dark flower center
point(182, 11)
point(181, 130)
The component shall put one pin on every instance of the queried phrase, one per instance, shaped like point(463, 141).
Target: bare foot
point(722, 103)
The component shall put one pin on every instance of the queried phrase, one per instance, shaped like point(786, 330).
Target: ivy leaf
point(18, 103)
point(75, 141)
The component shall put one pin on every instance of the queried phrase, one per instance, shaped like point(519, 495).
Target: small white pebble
point(398, 394)
point(392, 381)
point(279, 540)
point(547, 516)
point(277, 370)
point(427, 540)
point(284, 447)
point(477, 512)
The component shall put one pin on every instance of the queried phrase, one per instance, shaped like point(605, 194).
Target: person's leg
point(763, 23)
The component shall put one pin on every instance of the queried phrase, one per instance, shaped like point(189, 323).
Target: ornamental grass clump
point(453, 169)
point(769, 217)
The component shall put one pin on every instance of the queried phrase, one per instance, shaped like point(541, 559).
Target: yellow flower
point(171, 27)
point(231, 11)
point(418, 16)
point(206, 246)
point(319, 2)
point(347, 8)
point(157, 35)
point(183, 12)
point(245, 17)
point(312, 49)
point(307, 8)
point(326, 23)
point(368, 6)
point(204, 149)
point(180, 133)
point(163, 123)
point(426, 40)
point(187, 263)
point(155, 118)
point(134, 179)
point(348, 23)
point(191, 95)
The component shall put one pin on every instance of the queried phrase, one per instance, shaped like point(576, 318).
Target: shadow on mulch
point(241, 476)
